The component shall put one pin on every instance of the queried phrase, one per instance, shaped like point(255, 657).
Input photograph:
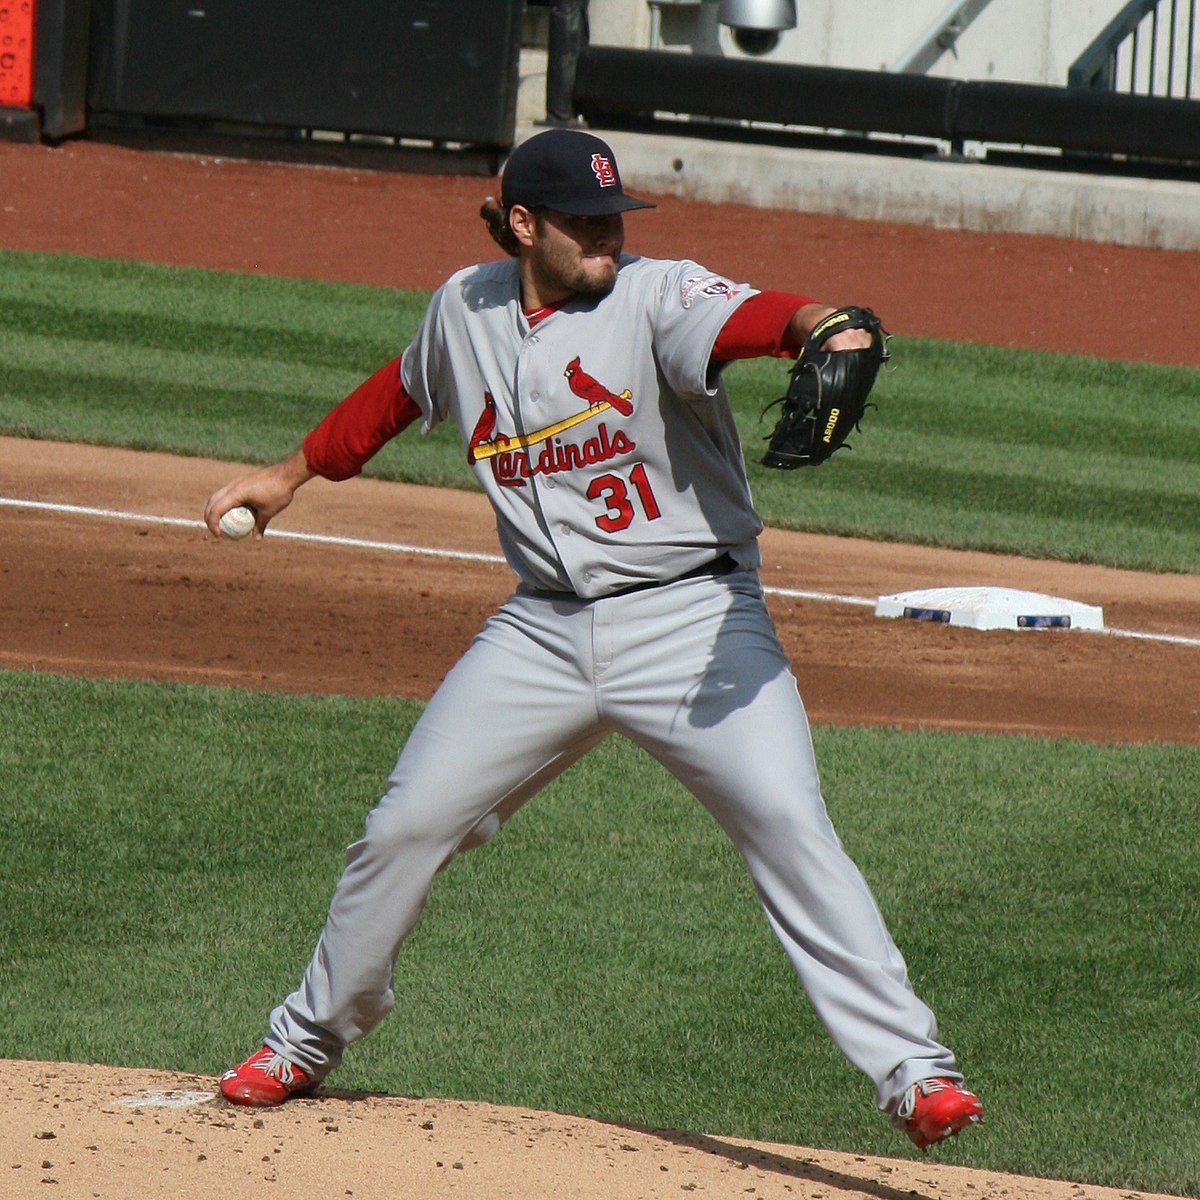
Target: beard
point(588, 281)
point(562, 268)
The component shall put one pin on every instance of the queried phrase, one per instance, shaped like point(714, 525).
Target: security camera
point(756, 24)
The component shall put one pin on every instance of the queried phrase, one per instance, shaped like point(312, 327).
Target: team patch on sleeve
point(705, 287)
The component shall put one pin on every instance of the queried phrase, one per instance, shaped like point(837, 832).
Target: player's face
point(575, 255)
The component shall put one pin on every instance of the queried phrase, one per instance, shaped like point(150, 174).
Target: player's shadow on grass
point(780, 1164)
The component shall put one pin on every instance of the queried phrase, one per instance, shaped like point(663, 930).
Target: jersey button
point(535, 396)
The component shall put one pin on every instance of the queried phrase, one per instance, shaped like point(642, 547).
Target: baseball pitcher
point(586, 387)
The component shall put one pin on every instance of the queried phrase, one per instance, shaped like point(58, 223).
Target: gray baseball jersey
point(602, 436)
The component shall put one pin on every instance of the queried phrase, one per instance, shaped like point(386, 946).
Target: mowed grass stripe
point(80, 365)
point(1045, 400)
point(176, 301)
point(93, 329)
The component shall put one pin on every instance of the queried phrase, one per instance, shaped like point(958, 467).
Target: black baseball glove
point(828, 392)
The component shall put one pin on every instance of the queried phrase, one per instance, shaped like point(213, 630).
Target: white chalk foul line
point(829, 597)
point(79, 510)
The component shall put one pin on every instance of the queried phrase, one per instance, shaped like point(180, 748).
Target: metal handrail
point(940, 37)
point(1098, 66)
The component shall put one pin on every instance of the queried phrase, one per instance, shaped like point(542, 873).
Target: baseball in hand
point(237, 523)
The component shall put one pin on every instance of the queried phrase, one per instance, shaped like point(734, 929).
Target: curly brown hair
point(495, 217)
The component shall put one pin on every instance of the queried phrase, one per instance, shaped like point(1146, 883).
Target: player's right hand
point(268, 491)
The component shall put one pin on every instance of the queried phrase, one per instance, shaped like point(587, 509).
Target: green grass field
point(605, 955)
point(1054, 456)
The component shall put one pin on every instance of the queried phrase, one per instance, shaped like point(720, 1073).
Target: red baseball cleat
point(264, 1080)
point(935, 1109)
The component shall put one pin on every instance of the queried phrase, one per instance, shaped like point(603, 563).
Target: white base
point(990, 608)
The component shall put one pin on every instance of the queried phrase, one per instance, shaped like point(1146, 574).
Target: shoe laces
point(277, 1067)
point(923, 1087)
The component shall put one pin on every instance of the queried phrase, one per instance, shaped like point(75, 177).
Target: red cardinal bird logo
point(485, 428)
point(593, 391)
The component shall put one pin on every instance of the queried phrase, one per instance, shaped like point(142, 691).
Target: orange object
point(16, 52)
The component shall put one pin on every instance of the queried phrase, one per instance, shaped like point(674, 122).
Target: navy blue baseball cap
point(568, 171)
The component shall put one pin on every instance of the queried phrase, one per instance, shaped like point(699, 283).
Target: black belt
point(723, 564)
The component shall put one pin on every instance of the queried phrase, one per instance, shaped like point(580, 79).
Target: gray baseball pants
point(692, 672)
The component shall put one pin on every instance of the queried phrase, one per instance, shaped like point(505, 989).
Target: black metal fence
point(1149, 47)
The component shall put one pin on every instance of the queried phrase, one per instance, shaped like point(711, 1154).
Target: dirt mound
point(101, 1132)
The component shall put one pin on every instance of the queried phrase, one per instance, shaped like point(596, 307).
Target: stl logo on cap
point(603, 170)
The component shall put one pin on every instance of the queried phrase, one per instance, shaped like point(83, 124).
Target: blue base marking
point(929, 614)
point(1059, 621)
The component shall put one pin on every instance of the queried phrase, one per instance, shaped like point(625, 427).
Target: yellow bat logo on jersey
point(501, 444)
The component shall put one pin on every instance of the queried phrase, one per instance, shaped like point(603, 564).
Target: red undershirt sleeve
point(352, 433)
point(758, 328)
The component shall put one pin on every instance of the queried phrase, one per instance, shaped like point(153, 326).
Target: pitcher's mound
point(103, 1132)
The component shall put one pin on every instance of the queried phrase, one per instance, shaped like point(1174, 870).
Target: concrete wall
point(1023, 41)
